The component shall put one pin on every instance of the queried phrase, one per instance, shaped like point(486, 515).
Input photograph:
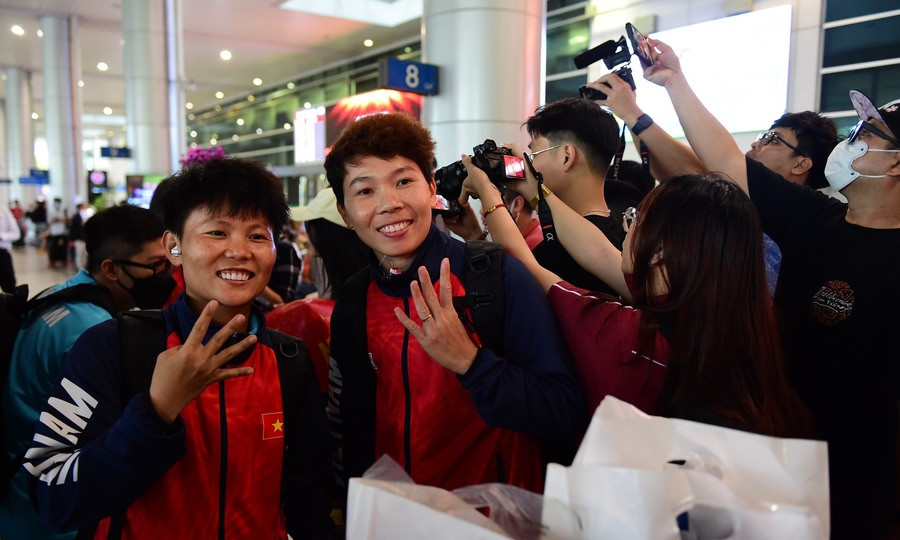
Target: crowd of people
point(738, 292)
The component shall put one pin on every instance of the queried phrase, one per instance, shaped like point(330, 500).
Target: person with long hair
point(699, 339)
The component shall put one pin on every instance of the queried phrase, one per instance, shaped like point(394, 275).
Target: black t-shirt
point(838, 296)
point(554, 257)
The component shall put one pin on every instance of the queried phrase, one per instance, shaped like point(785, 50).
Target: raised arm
point(587, 244)
point(668, 156)
point(713, 144)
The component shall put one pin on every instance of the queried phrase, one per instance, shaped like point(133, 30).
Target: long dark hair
point(726, 355)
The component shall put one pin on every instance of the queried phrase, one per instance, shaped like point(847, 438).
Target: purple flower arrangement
point(201, 155)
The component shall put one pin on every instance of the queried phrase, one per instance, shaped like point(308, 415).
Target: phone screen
point(514, 167)
point(639, 45)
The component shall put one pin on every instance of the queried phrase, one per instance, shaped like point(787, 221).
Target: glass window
point(565, 43)
point(559, 4)
point(882, 84)
point(845, 124)
point(562, 88)
point(836, 10)
point(862, 42)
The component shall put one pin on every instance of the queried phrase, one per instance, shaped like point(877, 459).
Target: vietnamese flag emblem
point(273, 425)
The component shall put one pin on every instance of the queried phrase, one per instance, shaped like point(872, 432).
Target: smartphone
point(639, 45)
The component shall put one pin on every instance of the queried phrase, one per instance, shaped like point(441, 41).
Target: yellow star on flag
point(278, 425)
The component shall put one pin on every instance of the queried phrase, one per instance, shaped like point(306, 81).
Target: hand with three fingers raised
point(182, 373)
point(441, 334)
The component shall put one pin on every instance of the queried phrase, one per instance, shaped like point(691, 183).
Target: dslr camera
point(616, 56)
point(498, 163)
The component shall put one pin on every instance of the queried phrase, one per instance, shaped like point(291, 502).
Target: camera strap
point(617, 159)
point(544, 214)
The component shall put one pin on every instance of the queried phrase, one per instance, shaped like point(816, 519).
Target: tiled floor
point(31, 268)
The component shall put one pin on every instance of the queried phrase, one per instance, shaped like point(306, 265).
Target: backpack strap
point(142, 337)
point(85, 292)
point(484, 305)
point(294, 370)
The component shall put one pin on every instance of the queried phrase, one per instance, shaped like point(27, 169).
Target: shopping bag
point(640, 476)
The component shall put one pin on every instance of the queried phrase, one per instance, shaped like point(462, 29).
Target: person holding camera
point(837, 290)
point(573, 141)
point(460, 400)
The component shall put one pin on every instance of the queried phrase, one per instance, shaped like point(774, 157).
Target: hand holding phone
point(640, 45)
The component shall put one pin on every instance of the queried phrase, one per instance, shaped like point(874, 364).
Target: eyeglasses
point(532, 154)
point(157, 268)
point(865, 127)
point(765, 138)
point(629, 216)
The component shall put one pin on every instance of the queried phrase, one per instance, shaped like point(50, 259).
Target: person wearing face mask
point(127, 261)
point(837, 292)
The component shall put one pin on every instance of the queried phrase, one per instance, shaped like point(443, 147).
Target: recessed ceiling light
point(368, 43)
point(257, 81)
point(193, 133)
point(188, 105)
point(34, 116)
point(80, 84)
point(218, 108)
point(259, 131)
point(240, 121)
point(290, 86)
point(213, 141)
point(40, 33)
point(287, 125)
point(107, 111)
point(307, 105)
point(407, 49)
point(225, 54)
point(17, 30)
point(191, 116)
point(193, 145)
point(102, 66)
point(251, 98)
point(220, 95)
point(235, 137)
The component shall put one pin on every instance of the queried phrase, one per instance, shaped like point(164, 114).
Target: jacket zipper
point(223, 457)
point(407, 417)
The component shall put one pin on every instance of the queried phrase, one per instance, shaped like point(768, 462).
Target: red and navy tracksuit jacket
point(389, 397)
point(216, 472)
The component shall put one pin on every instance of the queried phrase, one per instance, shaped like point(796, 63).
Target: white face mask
point(839, 167)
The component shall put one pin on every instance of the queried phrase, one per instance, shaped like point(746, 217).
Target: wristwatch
point(643, 122)
point(534, 201)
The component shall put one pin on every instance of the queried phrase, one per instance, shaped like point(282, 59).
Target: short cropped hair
point(230, 186)
point(582, 122)
point(816, 138)
point(383, 136)
point(118, 233)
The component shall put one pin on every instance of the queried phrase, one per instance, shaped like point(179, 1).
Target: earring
point(351, 227)
point(175, 252)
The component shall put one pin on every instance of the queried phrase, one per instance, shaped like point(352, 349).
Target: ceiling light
point(191, 116)
point(80, 84)
point(287, 125)
point(251, 98)
point(34, 116)
point(307, 105)
point(188, 105)
point(235, 137)
point(213, 141)
point(225, 54)
point(102, 66)
point(193, 145)
point(193, 133)
point(240, 121)
point(17, 30)
point(257, 81)
point(368, 43)
point(218, 108)
point(107, 111)
point(40, 33)
point(220, 94)
point(290, 86)
point(259, 131)
point(407, 49)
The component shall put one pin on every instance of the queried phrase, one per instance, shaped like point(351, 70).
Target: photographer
point(451, 409)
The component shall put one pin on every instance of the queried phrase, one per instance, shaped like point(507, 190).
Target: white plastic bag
point(732, 484)
point(386, 504)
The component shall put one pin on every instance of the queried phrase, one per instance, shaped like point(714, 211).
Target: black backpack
point(13, 308)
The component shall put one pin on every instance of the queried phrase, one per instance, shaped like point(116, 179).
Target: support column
point(19, 134)
point(62, 107)
point(491, 59)
point(147, 90)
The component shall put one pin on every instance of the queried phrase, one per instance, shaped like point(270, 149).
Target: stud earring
point(175, 252)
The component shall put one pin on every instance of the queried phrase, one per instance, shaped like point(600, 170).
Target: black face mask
point(151, 292)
